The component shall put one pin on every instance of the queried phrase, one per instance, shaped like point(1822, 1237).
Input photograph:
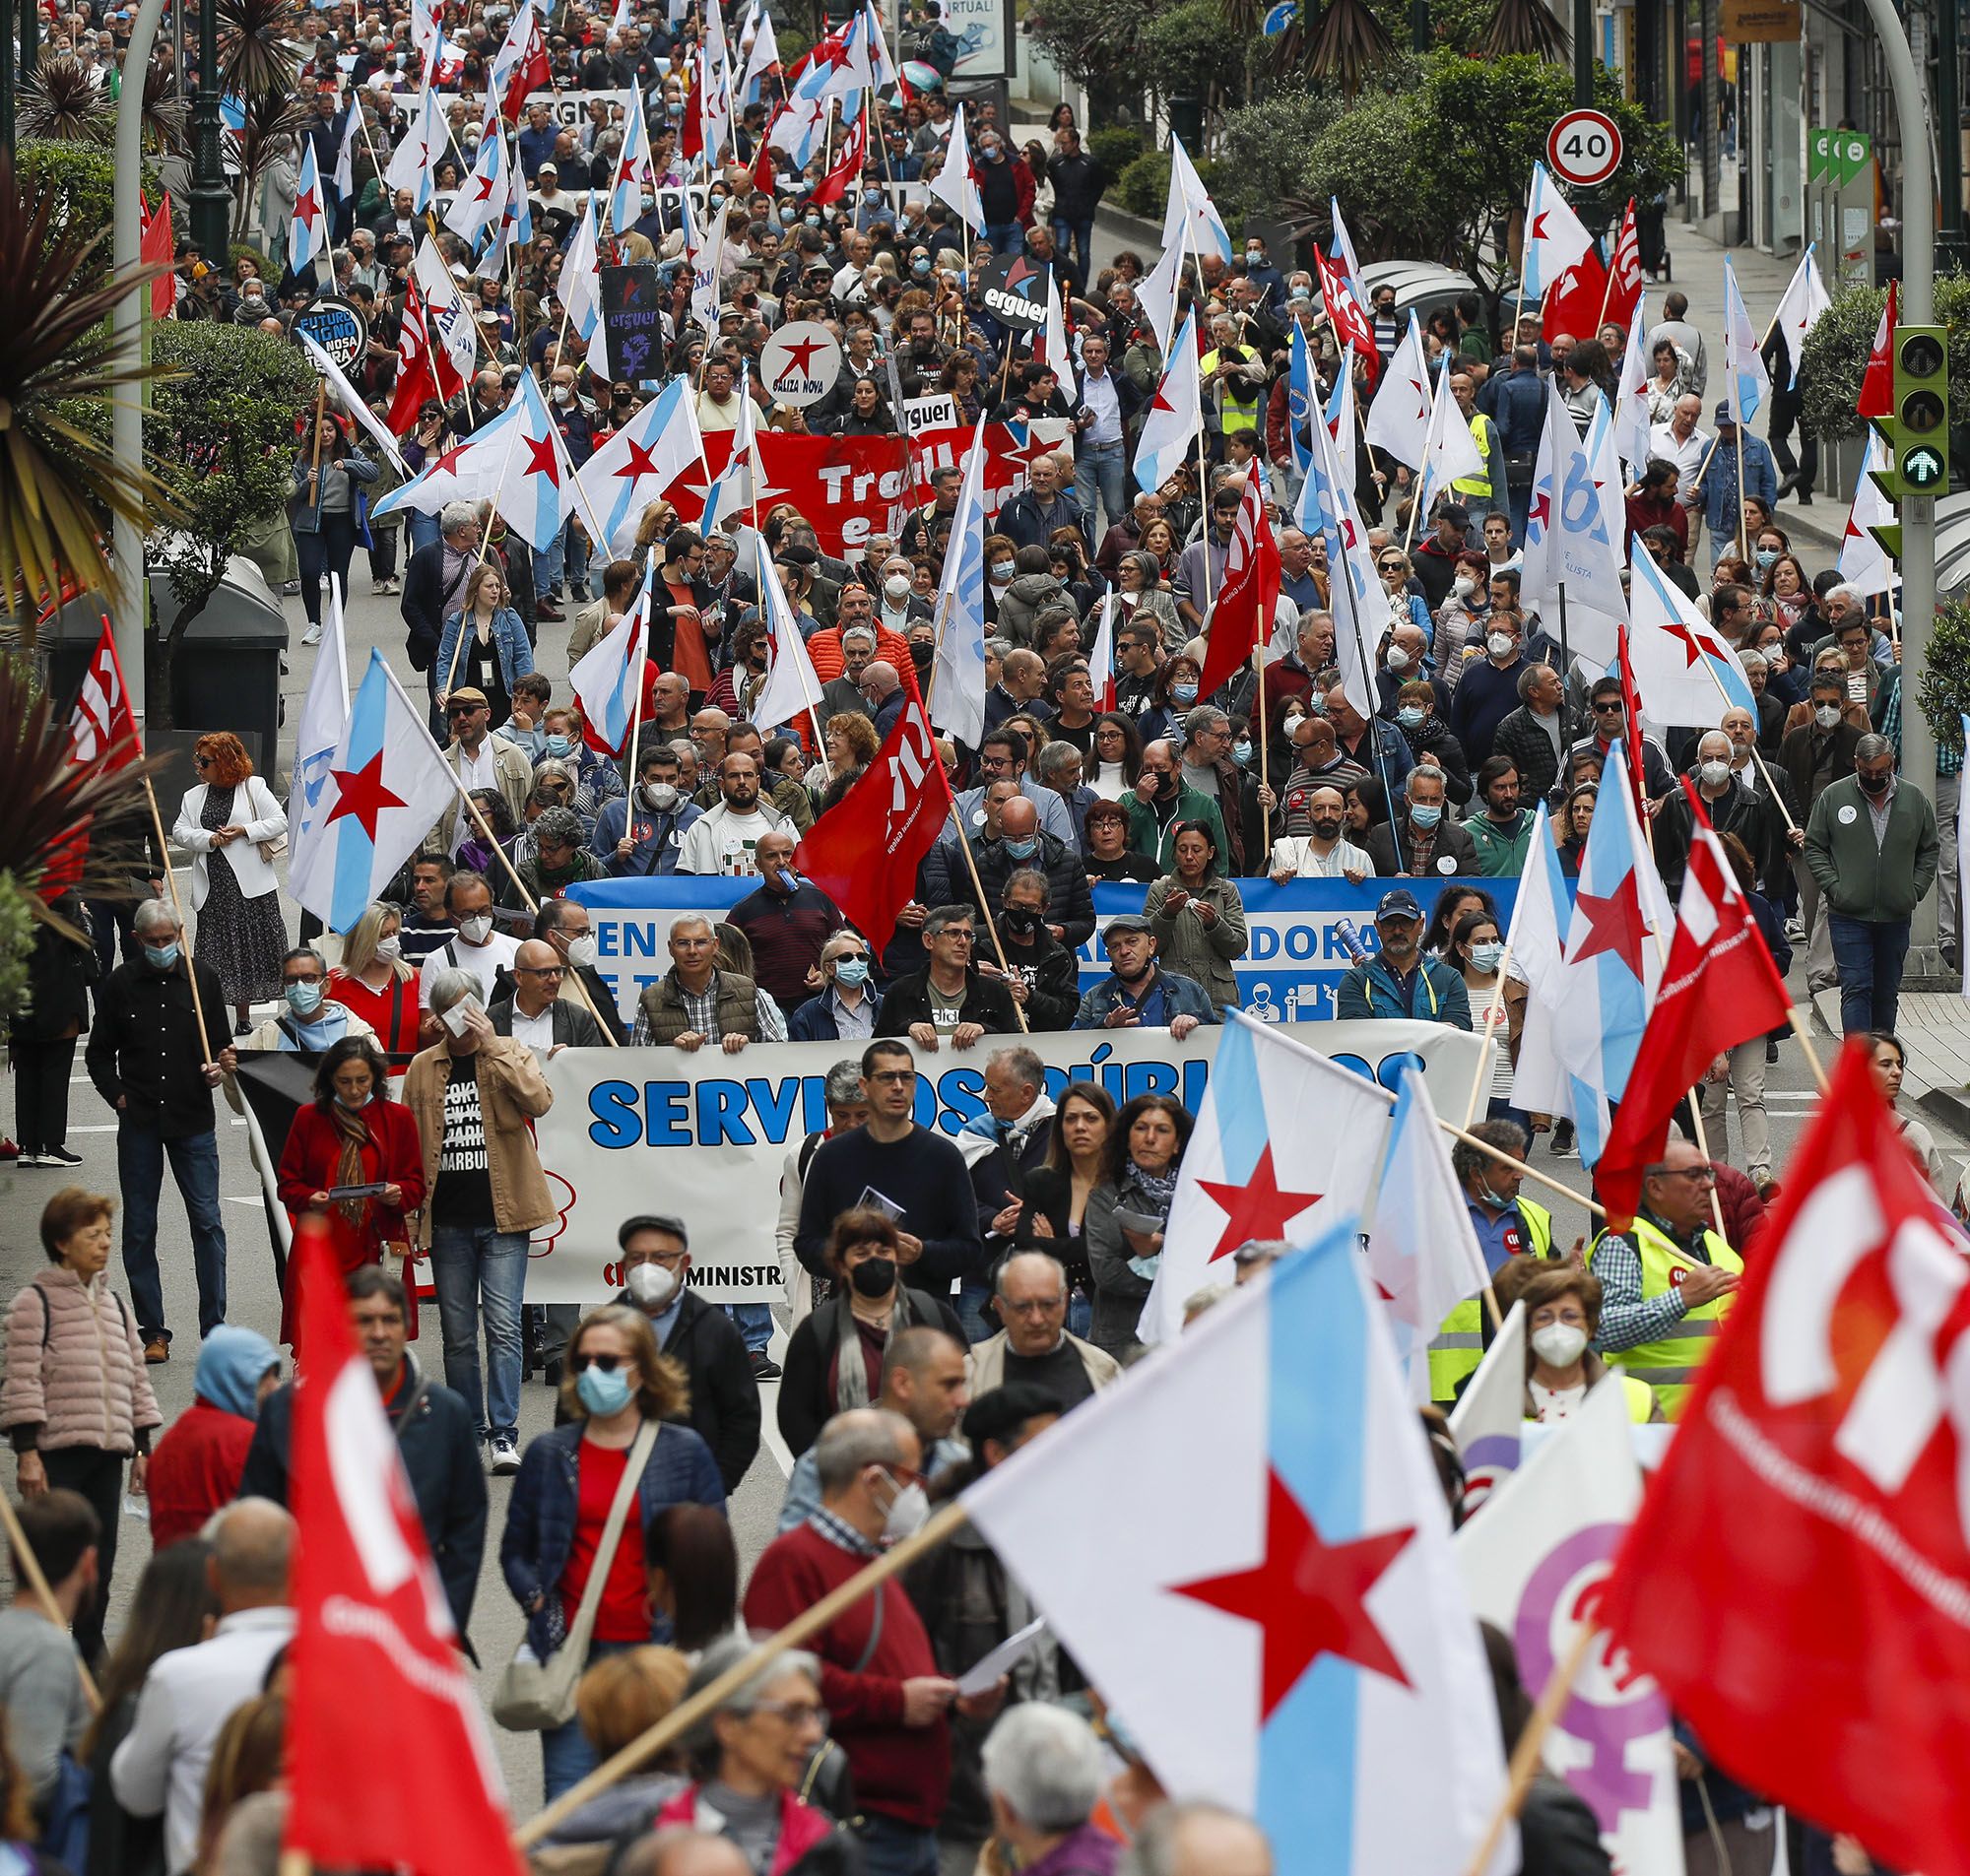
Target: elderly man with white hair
point(435, 581)
point(1044, 1774)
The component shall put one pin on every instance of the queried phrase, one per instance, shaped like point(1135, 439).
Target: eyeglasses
point(201, 761)
point(464, 710)
point(1609, 708)
point(540, 970)
point(796, 1713)
point(1704, 1174)
point(1035, 1305)
point(606, 1363)
point(894, 1076)
point(850, 957)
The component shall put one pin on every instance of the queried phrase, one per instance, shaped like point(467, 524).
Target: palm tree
point(1524, 25)
point(61, 103)
point(255, 58)
point(273, 126)
point(1348, 44)
point(60, 486)
point(165, 113)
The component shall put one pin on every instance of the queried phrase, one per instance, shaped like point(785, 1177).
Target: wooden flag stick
point(1526, 1754)
point(177, 906)
point(942, 1525)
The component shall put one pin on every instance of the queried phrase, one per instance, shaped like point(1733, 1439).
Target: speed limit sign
point(1583, 149)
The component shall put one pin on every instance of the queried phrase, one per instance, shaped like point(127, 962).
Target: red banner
point(852, 487)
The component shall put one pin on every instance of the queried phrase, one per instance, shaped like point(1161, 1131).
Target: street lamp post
point(211, 199)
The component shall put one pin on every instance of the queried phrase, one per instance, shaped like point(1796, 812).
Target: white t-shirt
point(723, 842)
point(537, 1032)
point(485, 961)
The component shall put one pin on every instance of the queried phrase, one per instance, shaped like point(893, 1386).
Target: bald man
point(881, 695)
point(528, 1005)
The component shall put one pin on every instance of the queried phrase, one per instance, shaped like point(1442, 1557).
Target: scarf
point(851, 1373)
point(352, 1132)
point(1160, 1186)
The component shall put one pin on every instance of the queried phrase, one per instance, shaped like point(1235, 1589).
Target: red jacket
point(195, 1470)
point(900, 1772)
point(802, 1827)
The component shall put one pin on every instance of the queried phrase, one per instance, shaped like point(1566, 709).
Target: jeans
point(891, 1847)
point(1103, 466)
point(98, 1474)
point(141, 1152)
point(972, 1297)
point(566, 1757)
point(756, 1325)
point(1519, 505)
point(424, 529)
point(568, 548)
point(383, 552)
point(1949, 796)
point(329, 551)
point(1870, 953)
point(1007, 237)
point(480, 1269)
point(1081, 234)
point(1080, 1314)
point(40, 1092)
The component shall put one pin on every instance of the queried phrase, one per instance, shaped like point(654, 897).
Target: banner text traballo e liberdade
point(706, 1136)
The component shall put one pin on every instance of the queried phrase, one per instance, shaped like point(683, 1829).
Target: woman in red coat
point(353, 1135)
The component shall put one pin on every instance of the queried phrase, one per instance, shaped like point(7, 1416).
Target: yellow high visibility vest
point(1479, 488)
point(1460, 1344)
point(1670, 1365)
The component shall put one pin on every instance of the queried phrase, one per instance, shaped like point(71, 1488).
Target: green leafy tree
point(1836, 354)
point(1945, 679)
point(1261, 146)
point(221, 431)
point(1440, 172)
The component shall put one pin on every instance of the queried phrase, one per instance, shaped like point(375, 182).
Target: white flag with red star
point(1863, 562)
point(1286, 1141)
point(309, 234)
point(1171, 422)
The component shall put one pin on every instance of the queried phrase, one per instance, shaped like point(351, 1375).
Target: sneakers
point(764, 1367)
point(505, 1458)
point(312, 636)
point(1565, 1144)
point(51, 1156)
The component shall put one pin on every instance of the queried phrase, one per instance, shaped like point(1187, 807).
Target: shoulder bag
point(536, 1696)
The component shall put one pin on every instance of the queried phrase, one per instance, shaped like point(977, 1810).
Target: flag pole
point(1203, 469)
point(985, 909)
point(1525, 235)
point(465, 623)
point(1497, 1000)
point(30, 1568)
point(1526, 1754)
point(942, 1525)
point(533, 904)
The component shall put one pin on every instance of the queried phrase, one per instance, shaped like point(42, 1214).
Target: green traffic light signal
point(1918, 431)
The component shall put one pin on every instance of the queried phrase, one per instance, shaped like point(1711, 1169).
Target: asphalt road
point(253, 1299)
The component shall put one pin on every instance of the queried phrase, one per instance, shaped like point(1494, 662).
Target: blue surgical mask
point(1767, 557)
point(920, 266)
point(161, 956)
point(1000, 573)
point(1426, 814)
point(1022, 849)
point(558, 745)
point(603, 1392)
point(1410, 715)
point(1183, 693)
point(304, 999)
point(1241, 751)
point(852, 971)
point(343, 1100)
point(812, 220)
point(1485, 954)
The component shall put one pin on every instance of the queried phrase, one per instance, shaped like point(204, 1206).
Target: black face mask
point(875, 1278)
point(1874, 784)
point(921, 656)
point(1021, 919)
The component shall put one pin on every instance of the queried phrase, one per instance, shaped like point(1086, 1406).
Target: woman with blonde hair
point(232, 814)
point(616, 1464)
point(495, 655)
point(376, 982)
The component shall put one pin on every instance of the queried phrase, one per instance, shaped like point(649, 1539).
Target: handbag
point(533, 1694)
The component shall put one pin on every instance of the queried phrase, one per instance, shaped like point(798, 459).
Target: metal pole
point(1583, 54)
point(6, 90)
point(211, 199)
point(127, 320)
point(1918, 512)
point(31, 26)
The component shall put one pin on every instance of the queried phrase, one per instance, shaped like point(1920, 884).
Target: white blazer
point(267, 820)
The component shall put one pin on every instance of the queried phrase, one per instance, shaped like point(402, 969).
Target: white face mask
point(1559, 1343)
point(897, 585)
point(1398, 659)
point(581, 951)
point(1827, 715)
point(1713, 774)
point(475, 930)
point(907, 1512)
point(1464, 586)
point(651, 1286)
point(1499, 644)
point(391, 948)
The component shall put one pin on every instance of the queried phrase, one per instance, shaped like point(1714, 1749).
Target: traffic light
point(1918, 433)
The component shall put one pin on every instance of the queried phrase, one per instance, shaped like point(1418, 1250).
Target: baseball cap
point(1399, 904)
point(1723, 414)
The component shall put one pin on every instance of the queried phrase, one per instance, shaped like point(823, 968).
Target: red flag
point(1719, 988)
point(1796, 1578)
point(416, 378)
point(1242, 619)
point(529, 70)
point(1631, 723)
point(1626, 274)
point(1348, 317)
point(374, 1647)
point(847, 164)
point(101, 733)
point(1878, 387)
point(157, 246)
point(762, 161)
point(1575, 304)
point(863, 853)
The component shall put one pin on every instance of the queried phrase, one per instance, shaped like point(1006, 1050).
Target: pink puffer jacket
point(74, 1368)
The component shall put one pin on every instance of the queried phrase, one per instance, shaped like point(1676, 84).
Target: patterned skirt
point(243, 939)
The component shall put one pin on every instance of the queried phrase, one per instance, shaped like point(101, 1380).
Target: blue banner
point(1289, 973)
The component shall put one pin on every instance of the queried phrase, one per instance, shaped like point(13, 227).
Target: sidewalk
point(1934, 1029)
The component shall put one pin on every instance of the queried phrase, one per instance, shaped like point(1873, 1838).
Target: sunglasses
point(1607, 709)
point(606, 1363)
point(464, 710)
